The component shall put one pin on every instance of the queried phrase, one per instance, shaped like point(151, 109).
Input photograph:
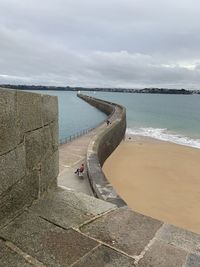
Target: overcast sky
point(100, 43)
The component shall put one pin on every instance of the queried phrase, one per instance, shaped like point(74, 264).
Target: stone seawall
point(28, 148)
point(102, 145)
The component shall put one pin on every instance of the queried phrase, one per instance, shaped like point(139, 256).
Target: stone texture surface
point(179, 237)
point(85, 203)
point(28, 149)
point(54, 134)
point(105, 257)
point(47, 141)
point(49, 108)
point(9, 130)
point(124, 229)
point(59, 211)
point(9, 258)
point(12, 167)
point(46, 242)
point(19, 195)
point(39, 145)
point(29, 111)
point(49, 171)
point(162, 255)
point(68, 209)
point(193, 260)
point(33, 145)
point(45, 233)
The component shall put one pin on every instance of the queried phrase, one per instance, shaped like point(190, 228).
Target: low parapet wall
point(28, 148)
point(102, 145)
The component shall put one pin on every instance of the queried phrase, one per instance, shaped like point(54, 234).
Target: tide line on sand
point(164, 134)
point(159, 179)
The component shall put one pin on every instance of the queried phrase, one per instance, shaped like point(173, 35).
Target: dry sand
point(159, 179)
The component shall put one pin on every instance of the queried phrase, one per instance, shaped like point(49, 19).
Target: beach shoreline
point(158, 178)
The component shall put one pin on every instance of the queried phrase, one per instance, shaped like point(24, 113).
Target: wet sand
point(158, 179)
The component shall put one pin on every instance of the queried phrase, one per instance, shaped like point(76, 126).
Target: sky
point(100, 43)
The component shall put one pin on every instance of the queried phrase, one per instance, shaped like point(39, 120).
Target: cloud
point(115, 43)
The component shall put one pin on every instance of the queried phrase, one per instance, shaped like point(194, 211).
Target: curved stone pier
point(102, 144)
point(66, 228)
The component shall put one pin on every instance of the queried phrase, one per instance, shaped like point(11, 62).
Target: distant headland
point(98, 89)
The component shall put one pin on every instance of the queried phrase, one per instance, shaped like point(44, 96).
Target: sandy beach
point(159, 179)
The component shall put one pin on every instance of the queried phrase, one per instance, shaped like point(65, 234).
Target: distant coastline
point(119, 90)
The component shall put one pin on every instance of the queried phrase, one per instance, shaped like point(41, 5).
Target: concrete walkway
point(71, 155)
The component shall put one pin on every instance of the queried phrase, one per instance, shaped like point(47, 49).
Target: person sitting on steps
point(80, 170)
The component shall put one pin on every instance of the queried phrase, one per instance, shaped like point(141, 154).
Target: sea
point(173, 118)
point(75, 115)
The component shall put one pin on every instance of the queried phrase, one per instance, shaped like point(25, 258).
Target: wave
point(165, 135)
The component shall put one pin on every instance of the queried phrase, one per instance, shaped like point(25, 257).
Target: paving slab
point(84, 202)
point(124, 229)
point(59, 213)
point(9, 258)
point(163, 255)
point(69, 209)
point(193, 260)
point(181, 238)
point(105, 257)
point(46, 242)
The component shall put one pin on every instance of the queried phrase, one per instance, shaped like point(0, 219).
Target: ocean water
point(174, 118)
point(75, 114)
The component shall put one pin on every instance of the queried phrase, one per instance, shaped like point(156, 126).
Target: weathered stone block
point(163, 255)
point(33, 146)
point(181, 238)
point(105, 256)
point(69, 209)
point(58, 211)
point(81, 201)
point(47, 142)
point(55, 135)
point(193, 260)
point(29, 111)
point(12, 167)
point(46, 242)
point(124, 229)
point(20, 194)
point(10, 258)
point(9, 130)
point(49, 171)
point(40, 146)
point(50, 109)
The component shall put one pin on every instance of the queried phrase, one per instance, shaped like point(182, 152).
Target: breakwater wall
point(102, 145)
point(28, 148)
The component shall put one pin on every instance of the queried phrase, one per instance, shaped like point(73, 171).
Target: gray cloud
point(119, 43)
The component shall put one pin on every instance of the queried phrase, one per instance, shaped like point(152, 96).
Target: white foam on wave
point(164, 135)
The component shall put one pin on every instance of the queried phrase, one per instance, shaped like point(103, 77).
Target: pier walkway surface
point(71, 156)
